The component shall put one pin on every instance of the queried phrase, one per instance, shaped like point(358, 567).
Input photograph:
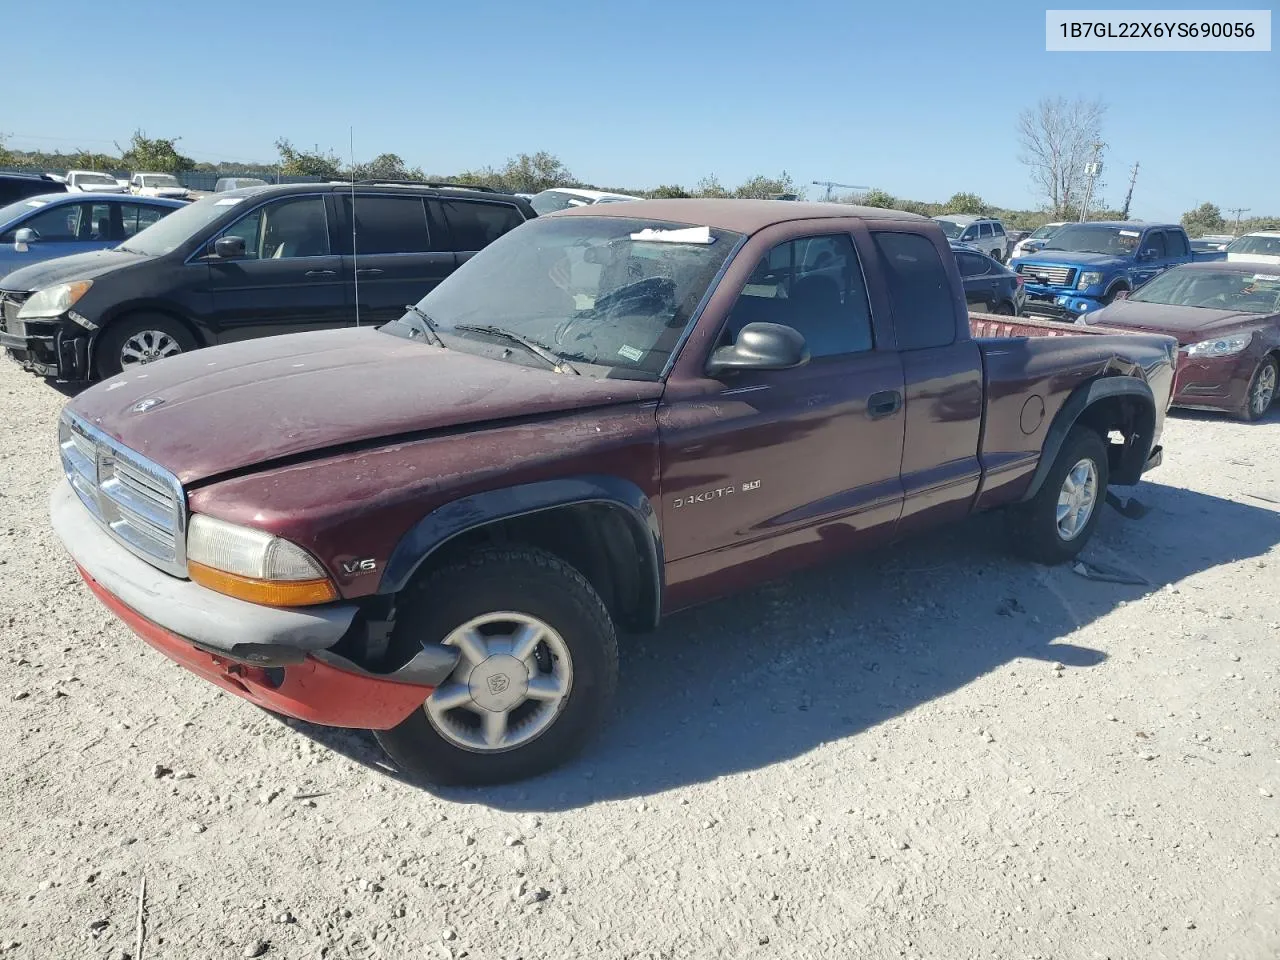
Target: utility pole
point(1237, 211)
point(1133, 178)
point(1093, 170)
point(831, 183)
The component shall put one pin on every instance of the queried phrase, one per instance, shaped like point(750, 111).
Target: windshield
point(95, 178)
point(951, 229)
point(586, 288)
point(1245, 292)
point(21, 207)
point(160, 180)
point(171, 232)
point(1048, 230)
point(1267, 245)
point(1094, 238)
point(549, 201)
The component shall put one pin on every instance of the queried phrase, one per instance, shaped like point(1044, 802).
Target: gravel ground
point(936, 752)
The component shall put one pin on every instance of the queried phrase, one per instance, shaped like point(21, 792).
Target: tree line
point(1056, 136)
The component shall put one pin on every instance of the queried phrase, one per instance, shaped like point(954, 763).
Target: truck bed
point(1030, 367)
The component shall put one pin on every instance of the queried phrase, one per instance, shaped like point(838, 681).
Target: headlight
point(1222, 347)
point(253, 565)
point(1088, 279)
point(54, 301)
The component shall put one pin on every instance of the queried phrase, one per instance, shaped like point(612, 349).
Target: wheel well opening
point(130, 314)
point(1127, 424)
point(602, 541)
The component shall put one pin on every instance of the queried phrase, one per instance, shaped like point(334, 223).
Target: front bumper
point(278, 658)
point(1213, 383)
point(1057, 303)
point(49, 348)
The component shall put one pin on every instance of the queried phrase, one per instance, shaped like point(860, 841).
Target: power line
point(1237, 211)
point(1093, 170)
point(1133, 178)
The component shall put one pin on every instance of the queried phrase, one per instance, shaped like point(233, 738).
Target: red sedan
point(1226, 316)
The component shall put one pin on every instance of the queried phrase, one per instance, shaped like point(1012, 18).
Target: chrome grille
point(1053, 276)
point(139, 503)
point(10, 304)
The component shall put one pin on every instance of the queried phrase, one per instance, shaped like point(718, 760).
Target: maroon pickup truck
point(434, 528)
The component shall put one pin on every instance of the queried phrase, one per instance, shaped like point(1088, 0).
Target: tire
point(1036, 527)
point(1109, 297)
point(136, 336)
point(1262, 391)
point(449, 745)
point(1005, 309)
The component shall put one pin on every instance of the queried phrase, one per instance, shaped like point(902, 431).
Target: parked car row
point(244, 263)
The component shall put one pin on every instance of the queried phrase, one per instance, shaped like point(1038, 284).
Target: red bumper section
point(313, 690)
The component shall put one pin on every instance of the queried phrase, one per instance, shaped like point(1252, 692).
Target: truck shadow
point(832, 653)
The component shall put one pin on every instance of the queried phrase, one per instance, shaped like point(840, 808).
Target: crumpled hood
point(1188, 324)
point(1053, 258)
point(78, 266)
point(229, 407)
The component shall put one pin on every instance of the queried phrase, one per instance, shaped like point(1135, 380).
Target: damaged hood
point(229, 407)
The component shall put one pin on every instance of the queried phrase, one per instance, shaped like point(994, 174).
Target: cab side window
point(923, 307)
point(60, 224)
point(813, 285)
point(1155, 241)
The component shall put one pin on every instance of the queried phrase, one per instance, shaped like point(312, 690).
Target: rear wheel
point(537, 668)
point(137, 340)
point(1005, 309)
point(1261, 392)
point(1054, 525)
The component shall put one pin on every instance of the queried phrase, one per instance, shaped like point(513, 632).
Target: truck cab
point(1085, 266)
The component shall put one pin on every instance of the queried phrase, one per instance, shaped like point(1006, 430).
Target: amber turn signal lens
point(273, 593)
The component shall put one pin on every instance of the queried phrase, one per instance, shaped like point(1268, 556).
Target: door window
point(60, 224)
point(813, 285)
point(136, 216)
point(984, 231)
point(998, 229)
point(390, 225)
point(1155, 241)
point(923, 308)
point(477, 223)
point(971, 265)
point(287, 229)
point(1176, 243)
point(99, 224)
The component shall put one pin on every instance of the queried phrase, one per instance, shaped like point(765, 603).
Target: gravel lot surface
point(937, 752)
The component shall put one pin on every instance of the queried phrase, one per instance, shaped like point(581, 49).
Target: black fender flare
point(1081, 399)
point(480, 509)
point(1118, 283)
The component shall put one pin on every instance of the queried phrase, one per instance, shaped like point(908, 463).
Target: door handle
point(370, 270)
point(883, 404)
point(322, 273)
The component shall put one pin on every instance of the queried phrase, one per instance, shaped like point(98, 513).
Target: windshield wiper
point(557, 362)
point(425, 324)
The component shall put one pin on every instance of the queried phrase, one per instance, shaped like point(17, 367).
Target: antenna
point(355, 265)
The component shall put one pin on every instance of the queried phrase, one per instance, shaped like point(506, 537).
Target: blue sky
point(918, 98)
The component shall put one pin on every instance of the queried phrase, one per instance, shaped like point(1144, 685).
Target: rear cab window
point(924, 313)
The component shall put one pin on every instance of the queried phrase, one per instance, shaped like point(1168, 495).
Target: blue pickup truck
point(1084, 266)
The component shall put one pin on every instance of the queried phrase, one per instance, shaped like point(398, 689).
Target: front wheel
point(536, 672)
point(1261, 392)
point(133, 341)
point(1054, 525)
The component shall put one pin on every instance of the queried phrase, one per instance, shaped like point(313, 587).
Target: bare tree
point(1057, 137)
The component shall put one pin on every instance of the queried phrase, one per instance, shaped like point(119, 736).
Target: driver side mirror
point(23, 237)
point(229, 248)
point(761, 346)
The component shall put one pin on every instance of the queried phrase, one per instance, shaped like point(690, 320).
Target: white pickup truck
point(89, 181)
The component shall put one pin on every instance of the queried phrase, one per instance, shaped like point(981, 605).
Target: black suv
point(19, 186)
point(248, 263)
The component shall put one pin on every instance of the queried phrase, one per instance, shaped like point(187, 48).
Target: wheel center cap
point(499, 683)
